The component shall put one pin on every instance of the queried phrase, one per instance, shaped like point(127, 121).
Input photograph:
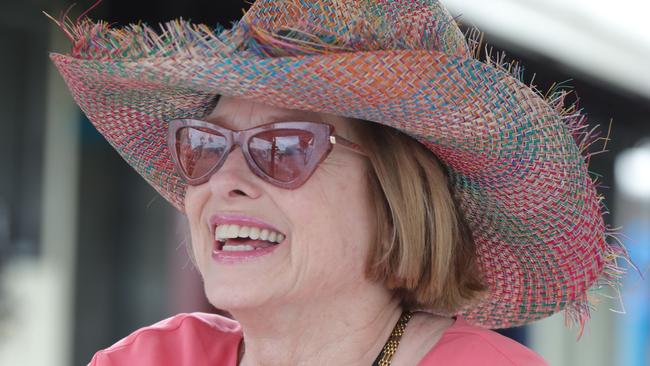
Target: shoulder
point(184, 339)
point(466, 344)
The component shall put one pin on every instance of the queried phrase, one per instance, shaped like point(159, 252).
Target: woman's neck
point(347, 330)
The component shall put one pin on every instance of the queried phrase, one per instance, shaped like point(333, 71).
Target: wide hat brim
point(516, 170)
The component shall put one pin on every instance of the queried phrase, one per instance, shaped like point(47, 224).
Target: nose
point(234, 178)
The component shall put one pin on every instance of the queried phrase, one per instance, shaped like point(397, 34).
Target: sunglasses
point(284, 154)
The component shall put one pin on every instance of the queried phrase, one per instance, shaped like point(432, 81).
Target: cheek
point(353, 218)
point(338, 225)
point(195, 200)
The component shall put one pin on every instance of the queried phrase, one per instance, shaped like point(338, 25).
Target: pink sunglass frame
point(324, 141)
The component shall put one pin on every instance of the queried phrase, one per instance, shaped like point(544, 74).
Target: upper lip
point(238, 219)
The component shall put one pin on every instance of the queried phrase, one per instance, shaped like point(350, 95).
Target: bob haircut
point(425, 252)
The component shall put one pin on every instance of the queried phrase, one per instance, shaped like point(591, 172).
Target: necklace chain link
point(391, 345)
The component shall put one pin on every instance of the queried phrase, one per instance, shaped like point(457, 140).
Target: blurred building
point(89, 252)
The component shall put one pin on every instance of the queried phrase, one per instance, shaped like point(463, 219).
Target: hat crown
point(366, 25)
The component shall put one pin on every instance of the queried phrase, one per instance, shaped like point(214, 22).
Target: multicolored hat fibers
point(517, 160)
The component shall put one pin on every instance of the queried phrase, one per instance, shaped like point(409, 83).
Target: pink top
point(208, 339)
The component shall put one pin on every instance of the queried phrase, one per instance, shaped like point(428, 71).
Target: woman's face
point(328, 221)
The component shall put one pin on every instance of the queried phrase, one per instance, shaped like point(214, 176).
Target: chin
point(236, 296)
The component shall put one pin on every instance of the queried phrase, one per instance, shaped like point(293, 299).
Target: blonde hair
point(423, 250)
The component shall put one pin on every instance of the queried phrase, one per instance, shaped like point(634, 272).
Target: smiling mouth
point(241, 238)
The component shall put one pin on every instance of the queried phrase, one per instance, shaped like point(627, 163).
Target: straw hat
point(517, 161)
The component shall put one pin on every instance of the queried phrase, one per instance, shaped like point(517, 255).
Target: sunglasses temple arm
point(338, 140)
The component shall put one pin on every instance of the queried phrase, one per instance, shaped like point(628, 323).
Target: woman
point(360, 190)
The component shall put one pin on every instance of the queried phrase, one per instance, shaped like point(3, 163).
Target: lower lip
point(222, 256)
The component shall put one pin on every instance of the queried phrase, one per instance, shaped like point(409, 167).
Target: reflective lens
point(199, 150)
point(283, 154)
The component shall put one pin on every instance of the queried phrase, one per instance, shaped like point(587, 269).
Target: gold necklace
point(386, 354)
point(390, 347)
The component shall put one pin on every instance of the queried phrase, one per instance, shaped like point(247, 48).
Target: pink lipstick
point(262, 247)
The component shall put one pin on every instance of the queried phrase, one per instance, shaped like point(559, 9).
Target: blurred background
point(89, 252)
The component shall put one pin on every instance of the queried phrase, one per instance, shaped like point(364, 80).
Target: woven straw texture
point(518, 162)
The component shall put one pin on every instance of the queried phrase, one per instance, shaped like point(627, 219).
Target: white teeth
point(255, 233)
point(220, 232)
point(230, 231)
point(237, 248)
point(233, 231)
point(244, 231)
